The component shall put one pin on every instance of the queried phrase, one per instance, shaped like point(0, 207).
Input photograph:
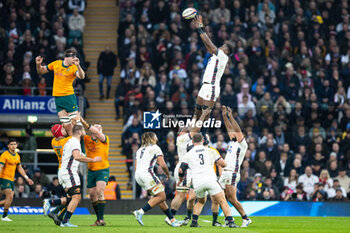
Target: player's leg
point(91, 185)
point(100, 190)
point(220, 198)
point(198, 207)
point(198, 107)
point(100, 84)
point(215, 210)
point(231, 194)
point(170, 220)
point(190, 204)
point(48, 203)
point(64, 119)
point(179, 198)
point(7, 203)
point(109, 85)
point(94, 201)
point(75, 193)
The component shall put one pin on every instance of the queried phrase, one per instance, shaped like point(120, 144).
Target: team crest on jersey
point(68, 69)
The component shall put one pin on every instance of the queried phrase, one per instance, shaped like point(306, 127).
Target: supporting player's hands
point(223, 110)
point(76, 61)
point(29, 181)
point(198, 20)
point(96, 159)
point(206, 111)
point(39, 60)
point(229, 110)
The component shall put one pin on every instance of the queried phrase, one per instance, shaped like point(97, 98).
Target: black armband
point(201, 30)
point(89, 127)
point(184, 167)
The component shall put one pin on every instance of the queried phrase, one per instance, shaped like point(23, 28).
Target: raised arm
point(80, 72)
point(204, 36)
point(236, 128)
point(227, 122)
point(196, 127)
point(94, 130)
point(39, 68)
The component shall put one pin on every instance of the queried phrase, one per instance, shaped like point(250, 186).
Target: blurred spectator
point(331, 192)
point(55, 189)
point(40, 178)
point(38, 192)
point(292, 181)
point(344, 180)
point(21, 188)
point(76, 4)
point(325, 180)
point(112, 191)
point(106, 63)
point(76, 22)
point(308, 180)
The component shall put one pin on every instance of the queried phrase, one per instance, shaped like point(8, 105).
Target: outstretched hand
point(198, 20)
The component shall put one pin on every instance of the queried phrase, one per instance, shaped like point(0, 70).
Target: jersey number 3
point(201, 157)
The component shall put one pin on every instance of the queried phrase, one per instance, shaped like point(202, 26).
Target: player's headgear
point(69, 53)
point(56, 130)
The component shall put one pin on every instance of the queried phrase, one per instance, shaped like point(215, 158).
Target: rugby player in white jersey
point(146, 157)
point(234, 159)
point(183, 143)
point(68, 175)
point(200, 160)
point(210, 89)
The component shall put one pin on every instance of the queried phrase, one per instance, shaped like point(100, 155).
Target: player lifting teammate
point(200, 160)
point(68, 175)
point(183, 143)
point(146, 157)
point(97, 145)
point(234, 159)
point(65, 73)
point(210, 89)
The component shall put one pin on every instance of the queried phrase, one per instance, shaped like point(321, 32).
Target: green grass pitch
point(156, 224)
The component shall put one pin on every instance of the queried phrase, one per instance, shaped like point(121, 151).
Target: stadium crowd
point(30, 28)
point(287, 81)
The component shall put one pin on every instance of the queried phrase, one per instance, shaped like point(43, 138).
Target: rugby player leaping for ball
point(210, 89)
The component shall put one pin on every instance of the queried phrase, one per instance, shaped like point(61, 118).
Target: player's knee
point(198, 107)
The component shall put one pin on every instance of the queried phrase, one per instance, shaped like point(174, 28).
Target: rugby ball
point(189, 13)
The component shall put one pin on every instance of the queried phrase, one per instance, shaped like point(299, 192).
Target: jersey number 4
point(201, 157)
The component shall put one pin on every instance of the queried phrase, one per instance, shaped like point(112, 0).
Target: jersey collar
point(95, 140)
point(64, 65)
point(11, 153)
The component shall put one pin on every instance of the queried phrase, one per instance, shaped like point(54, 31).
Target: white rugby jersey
point(68, 161)
point(200, 160)
point(146, 158)
point(235, 155)
point(215, 68)
point(182, 142)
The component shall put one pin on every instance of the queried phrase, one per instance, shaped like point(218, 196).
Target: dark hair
point(55, 178)
point(69, 53)
point(111, 178)
point(11, 140)
point(77, 128)
point(230, 47)
point(197, 138)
